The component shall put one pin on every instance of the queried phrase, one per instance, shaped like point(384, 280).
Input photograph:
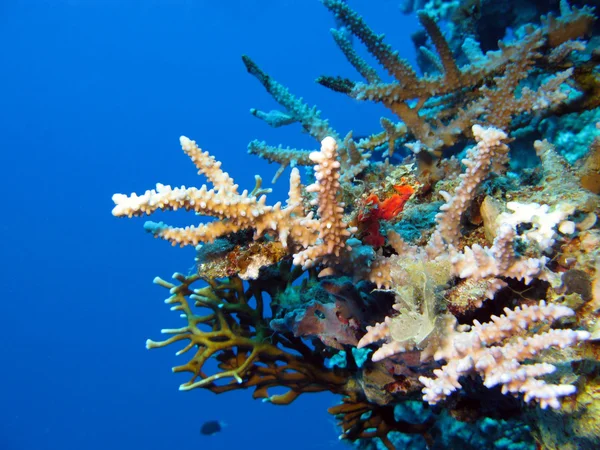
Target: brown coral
point(238, 336)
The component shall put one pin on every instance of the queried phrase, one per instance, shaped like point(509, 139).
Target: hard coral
point(507, 269)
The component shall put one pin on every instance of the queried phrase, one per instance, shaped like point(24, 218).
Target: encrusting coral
point(440, 262)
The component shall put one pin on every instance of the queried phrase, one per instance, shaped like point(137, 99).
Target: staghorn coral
point(474, 351)
point(482, 92)
point(320, 239)
point(235, 211)
point(487, 282)
point(353, 159)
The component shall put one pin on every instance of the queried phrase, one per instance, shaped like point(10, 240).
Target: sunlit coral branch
point(490, 149)
point(572, 23)
point(361, 66)
point(452, 73)
point(333, 231)
point(477, 263)
point(322, 239)
point(388, 58)
point(482, 350)
point(234, 211)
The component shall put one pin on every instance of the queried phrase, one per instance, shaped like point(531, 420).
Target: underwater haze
point(95, 94)
point(334, 224)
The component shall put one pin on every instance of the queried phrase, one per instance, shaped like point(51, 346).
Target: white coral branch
point(482, 351)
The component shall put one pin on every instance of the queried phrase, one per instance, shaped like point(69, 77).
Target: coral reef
point(441, 274)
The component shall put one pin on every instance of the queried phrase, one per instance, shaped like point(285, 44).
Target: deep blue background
point(94, 96)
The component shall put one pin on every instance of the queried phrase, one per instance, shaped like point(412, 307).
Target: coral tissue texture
point(440, 275)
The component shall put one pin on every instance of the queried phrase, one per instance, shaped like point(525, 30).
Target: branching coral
point(352, 159)
point(235, 211)
point(490, 150)
point(238, 337)
point(492, 264)
point(321, 239)
point(482, 92)
point(477, 263)
point(476, 351)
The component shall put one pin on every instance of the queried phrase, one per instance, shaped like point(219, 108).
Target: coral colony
point(440, 275)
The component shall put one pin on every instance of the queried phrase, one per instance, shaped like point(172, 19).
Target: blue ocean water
point(94, 96)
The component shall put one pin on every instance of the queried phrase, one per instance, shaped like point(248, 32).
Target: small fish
point(211, 427)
